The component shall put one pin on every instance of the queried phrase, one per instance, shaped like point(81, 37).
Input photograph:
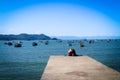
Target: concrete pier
point(77, 68)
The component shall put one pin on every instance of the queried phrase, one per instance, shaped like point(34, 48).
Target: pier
point(77, 68)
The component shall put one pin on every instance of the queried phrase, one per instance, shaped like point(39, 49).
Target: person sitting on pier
point(71, 52)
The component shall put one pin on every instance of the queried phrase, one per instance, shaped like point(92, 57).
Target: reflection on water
point(28, 61)
point(21, 70)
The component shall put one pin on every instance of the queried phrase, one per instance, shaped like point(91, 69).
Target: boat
point(81, 44)
point(18, 45)
point(46, 42)
point(34, 44)
point(8, 43)
point(69, 44)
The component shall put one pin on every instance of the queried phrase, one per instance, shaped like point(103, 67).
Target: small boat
point(69, 44)
point(46, 42)
point(8, 43)
point(59, 41)
point(108, 40)
point(90, 41)
point(81, 45)
point(34, 44)
point(18, 45)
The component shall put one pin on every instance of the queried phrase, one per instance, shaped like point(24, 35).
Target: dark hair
point(73, 52)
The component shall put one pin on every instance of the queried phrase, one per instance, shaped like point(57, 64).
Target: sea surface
point(28, 62)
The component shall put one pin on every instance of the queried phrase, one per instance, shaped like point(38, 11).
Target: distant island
point(24, 36)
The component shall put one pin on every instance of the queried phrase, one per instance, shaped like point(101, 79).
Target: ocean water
point(28, 62)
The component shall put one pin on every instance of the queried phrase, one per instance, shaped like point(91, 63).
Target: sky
point(60, 17)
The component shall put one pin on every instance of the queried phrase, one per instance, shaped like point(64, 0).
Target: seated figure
point(71, 52)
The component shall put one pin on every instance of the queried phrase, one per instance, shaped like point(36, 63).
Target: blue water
point(28, 62)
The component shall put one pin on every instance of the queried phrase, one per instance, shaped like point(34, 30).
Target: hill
point(24, 36)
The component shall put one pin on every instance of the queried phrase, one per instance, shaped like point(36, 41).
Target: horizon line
point(63, 35)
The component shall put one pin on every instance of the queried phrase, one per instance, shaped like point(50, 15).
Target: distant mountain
point(24, 36)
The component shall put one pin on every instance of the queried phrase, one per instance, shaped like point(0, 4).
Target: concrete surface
point(77, 68)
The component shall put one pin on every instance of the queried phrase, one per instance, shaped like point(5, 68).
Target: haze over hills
point(87, 37)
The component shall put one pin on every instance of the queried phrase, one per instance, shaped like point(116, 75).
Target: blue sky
point(60, 17)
